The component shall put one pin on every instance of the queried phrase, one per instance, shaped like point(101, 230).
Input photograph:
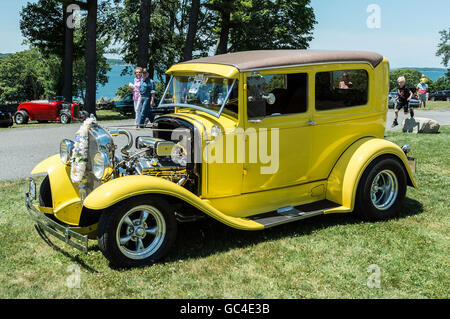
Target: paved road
point(443, 117)
point(22, 148)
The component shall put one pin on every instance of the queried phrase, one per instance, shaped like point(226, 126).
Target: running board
point(290, 214)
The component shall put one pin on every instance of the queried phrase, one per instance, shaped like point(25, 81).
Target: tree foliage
point(272, 24)
point(412, 78)
point(43, 26)
point(27, 75)
point(444, 49)
point(179, 30)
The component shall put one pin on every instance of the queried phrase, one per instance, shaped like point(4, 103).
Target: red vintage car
point(53, 109)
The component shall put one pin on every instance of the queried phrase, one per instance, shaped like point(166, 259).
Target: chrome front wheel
point(138, 231)
point(141, 232)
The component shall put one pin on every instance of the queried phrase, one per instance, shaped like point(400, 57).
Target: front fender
point(344, 178)
point(66, 204)
point(47, 165)
point(127, 187)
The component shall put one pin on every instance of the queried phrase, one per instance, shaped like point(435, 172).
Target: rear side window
point(339, 89)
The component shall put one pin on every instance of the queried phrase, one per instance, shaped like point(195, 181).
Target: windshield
point(210, 93)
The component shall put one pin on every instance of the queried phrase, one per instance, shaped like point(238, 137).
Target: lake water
point(116, 80)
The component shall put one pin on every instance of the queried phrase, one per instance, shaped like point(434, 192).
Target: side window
point(338, 89)
point(276, 94)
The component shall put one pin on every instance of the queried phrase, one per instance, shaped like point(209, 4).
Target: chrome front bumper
point(44, 223)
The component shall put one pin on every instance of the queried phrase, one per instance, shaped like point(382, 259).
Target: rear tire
point(381, 190)
point(21, 117)
point(137, 232)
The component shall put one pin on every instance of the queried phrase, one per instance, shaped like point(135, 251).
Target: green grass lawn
point(322, 257)
point(436, 105)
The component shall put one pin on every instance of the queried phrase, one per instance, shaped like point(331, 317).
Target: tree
point(272, 24)
point(412, 78)
point(144, 33)
point(26, 76)
point(43, 24)
point(444, 49)
point(91, 57)
point(443, 83)
point(192, 30)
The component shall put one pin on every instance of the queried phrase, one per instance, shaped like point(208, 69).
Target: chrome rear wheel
point(384, 190)
point(381, 189)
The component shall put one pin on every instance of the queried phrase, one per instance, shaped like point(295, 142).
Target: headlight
point(65, 150)
point(100, 164)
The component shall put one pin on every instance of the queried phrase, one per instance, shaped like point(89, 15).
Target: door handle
point(311, 122)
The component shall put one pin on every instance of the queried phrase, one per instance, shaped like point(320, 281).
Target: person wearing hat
point(422, 89)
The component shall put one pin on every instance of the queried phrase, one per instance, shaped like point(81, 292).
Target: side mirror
point(270, 98)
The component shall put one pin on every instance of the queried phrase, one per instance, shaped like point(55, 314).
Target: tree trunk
point(91, 57)
point(192, 30)
point(144, 34)
point(222, 46)
point(68, 59)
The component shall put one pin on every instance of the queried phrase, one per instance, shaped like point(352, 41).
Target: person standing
point(135, 88)
point(422, 88)
point(404, 96)
point(148, 92)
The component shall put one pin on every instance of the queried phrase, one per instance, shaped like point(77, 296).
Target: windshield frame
point(197, 107)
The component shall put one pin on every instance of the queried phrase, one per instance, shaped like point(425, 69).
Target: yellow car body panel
point(127, 187)
point(45, 165)
point(65, 195)
point(192, 68)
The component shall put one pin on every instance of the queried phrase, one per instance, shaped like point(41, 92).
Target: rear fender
point(127, 187)
point(344, 178)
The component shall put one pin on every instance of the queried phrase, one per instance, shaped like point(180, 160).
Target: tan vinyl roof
point(249, 60)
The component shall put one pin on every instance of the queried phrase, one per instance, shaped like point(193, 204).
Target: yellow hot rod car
point(257, 139)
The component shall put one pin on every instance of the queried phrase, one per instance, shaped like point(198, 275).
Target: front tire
point(381, 190)
point(21, 117)
point(137, 232)
point(64, 118)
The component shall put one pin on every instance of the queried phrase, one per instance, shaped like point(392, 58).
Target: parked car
point(392, 101)
point(126, 106)
point(5, 119)
point(443, 95)
point(257, 139)
point(52, 109)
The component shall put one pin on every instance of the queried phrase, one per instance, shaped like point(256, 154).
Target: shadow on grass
point(208, 237)
point(75, 259)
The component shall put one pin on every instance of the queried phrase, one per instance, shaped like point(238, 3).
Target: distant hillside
point(432, 73)
point(116, 62)
point(3, 55)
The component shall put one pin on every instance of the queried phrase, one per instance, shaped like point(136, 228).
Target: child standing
point(404, 96)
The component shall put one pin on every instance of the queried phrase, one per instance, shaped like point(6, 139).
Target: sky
point(404, 31)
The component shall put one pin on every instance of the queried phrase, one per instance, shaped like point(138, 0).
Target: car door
point(277, 131)
point(344, 111)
